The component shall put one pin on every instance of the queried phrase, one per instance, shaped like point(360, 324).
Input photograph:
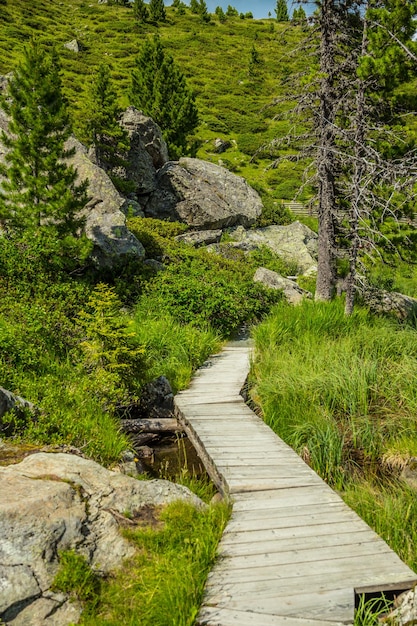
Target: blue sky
point(259, 8)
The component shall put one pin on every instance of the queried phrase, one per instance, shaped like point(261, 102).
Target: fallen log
point(150, 425)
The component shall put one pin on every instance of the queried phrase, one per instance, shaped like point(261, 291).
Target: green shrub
point(226, 298)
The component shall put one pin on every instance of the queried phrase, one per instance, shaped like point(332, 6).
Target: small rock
point(72, 45)
point(200, 237)
point(292, 292)
point(221, 145)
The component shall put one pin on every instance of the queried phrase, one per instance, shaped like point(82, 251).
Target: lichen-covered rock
point(295, 243)
point(147, 151)
point(390, 302)
point(203, 195)
point(292, 292)
point(54, 502)
point(104, 213)
point(9, 401)
point(200, 237)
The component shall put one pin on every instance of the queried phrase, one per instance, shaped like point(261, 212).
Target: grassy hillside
point(215, 57)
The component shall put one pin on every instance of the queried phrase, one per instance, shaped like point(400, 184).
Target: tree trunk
point(326, 274)
point(355, 211)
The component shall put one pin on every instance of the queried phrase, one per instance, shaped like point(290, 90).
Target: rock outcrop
point(9, 401)
point(147, 152)
point(386, 302)
point(295, 243)
point(104, 213)
point(203, 195)
point(55, 502)
point(292, 292)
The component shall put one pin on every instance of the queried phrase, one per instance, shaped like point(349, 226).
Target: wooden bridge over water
point(293, 553)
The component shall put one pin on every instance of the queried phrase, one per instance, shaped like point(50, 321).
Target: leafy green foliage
point(159, 89)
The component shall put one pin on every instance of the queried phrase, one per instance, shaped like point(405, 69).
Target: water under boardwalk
point(293, 553)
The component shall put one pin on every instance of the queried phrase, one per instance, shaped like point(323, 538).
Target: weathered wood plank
point(271, 543)
point(212, 616)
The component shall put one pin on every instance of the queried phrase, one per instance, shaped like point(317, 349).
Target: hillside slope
point(233, 100)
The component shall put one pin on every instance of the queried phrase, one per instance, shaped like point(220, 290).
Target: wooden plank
point(368, 545)
point(277, 543)
point(290, 498)
point(277, 520)
point(214, 616)
point(371, 559)
point(333, 604)
point(320, 531)
point(237, 593)
point(255, 483)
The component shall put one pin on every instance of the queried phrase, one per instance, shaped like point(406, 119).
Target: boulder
point(221, 145)
point(55, 502)
point(9, 401)
point(295, 243)
point(72, 45)
point(147, 151)
point(203, 195)
point(405, 611)
point(104, 213)
point(388, 302)
point(200, 237)
point(292, 292)
point(157, 399)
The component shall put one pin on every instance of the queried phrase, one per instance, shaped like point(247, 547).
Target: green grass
point(341, 391)
point(163, 584)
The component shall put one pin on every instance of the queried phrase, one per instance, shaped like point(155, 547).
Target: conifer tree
point(102, 127)
point(194, 6)
point(160, 90)
point(203, 11)
point(39, 194)
point(281, 11)
point(157, 10)
point(140, 11)
point(220, 14)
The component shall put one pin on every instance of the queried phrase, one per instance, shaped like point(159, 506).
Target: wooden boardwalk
point(293, 554)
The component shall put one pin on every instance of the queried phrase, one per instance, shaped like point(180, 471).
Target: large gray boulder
point(292, 292)
point(386, 302)
point(147, 152)
point(295, 243)
point(104, 213)
point(203, 195)
point(54, 502)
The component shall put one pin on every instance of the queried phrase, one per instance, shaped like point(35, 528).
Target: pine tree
point(220, 14)
point(203, 11)
point(140, 11)
point(102, 128)
point(157, 10)
point(39, 195)
point(160, 90)
point(281, 11)
point(194, 6)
